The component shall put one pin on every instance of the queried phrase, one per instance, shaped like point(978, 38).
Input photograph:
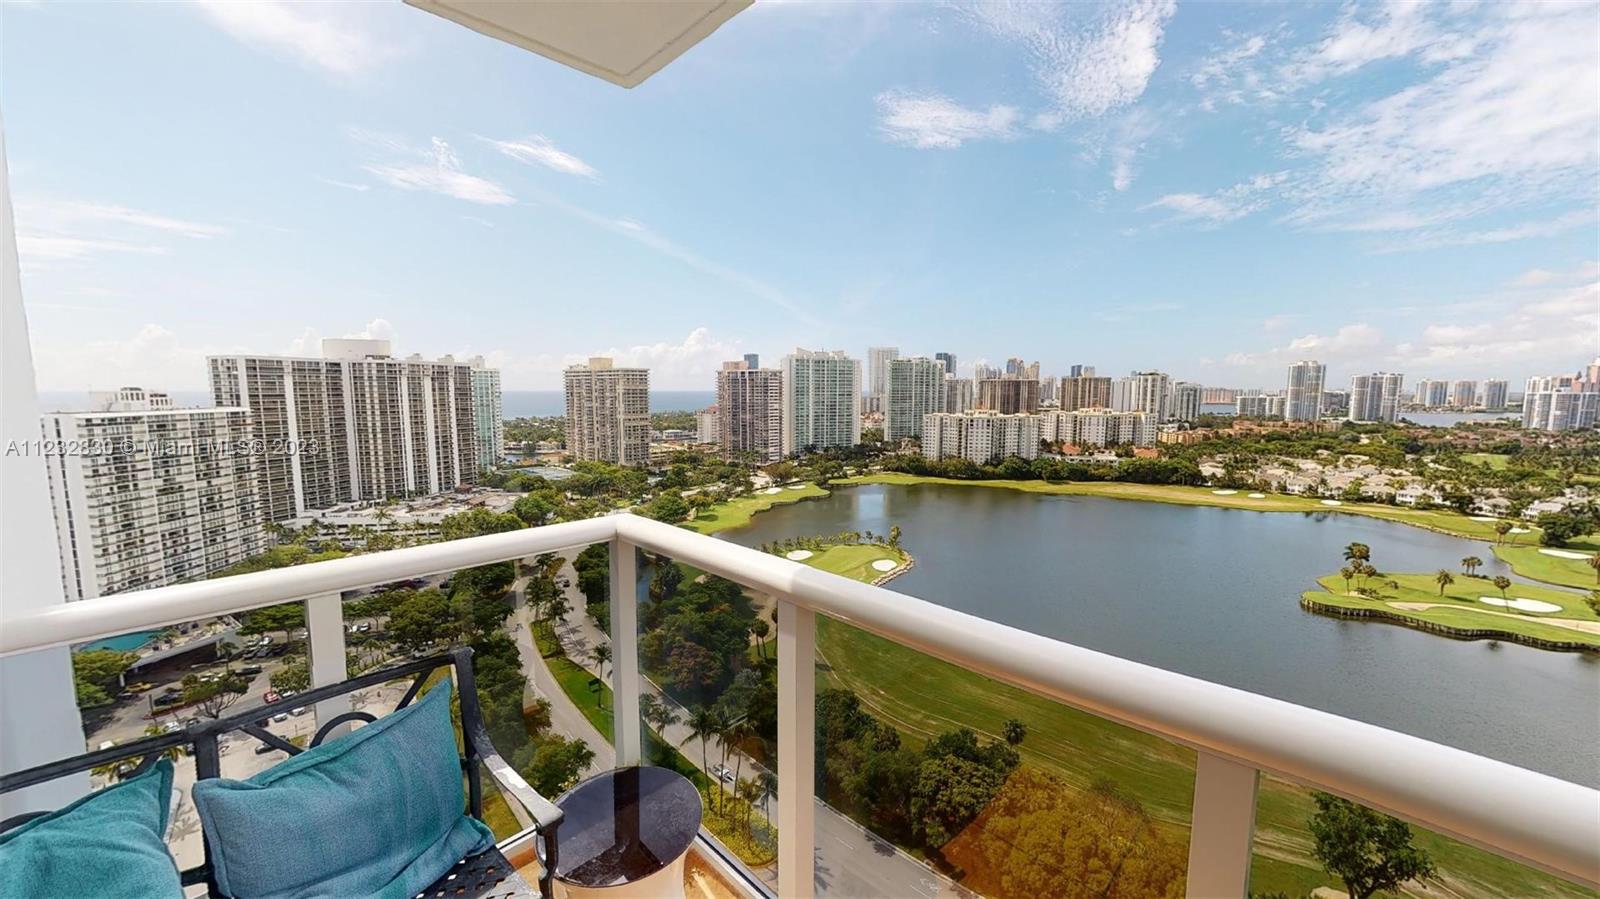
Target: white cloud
point(1428, 240)
point(34, 248)
point(152, 357)
point(1084, 69)
point(438, 170)
point(929, 120)
point(538, 150)
point(62, 230)
point(347, 185)
point(1227, 205)
point(1514, 121)
point(1542, 321)
point(688, 364)
point(325, 36)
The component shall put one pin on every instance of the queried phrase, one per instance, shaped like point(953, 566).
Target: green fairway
point(923, 696)
point(736, 513)
point(1529, 562)
point(1496, 461)
point(1434, 520)
point(1460, 605)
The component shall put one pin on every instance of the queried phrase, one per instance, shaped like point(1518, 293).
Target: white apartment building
point(1432, 393)
point(1143, 391)
point(1495, 394)
point(750, 411)
point(1098, 427)
point(916, 389)
point(487, 418)
point(608, 412)
point(1269, 405)
point(1302, 398)
point(948, 360)
point(708, 426)
point(1464, 394)
point(959, 394)
point(981, 437)
point(878, 359)
point(1560, 403)
point(821, 401)
point(146, 495)
point(1375, 397)
point(1184, 402)
point(355, 425)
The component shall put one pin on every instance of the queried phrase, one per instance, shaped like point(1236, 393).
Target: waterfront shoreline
point(1466, 528)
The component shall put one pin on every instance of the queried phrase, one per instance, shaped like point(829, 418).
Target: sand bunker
point(1564, 554)
point(797, 486)
point(885, 565)
point(799, 555)
point(1332, 502)
point(1224, 492)
point(772, 490)
point(1521, 604)
point(1482, 518)
point(1521, 531)
point(1258, 496)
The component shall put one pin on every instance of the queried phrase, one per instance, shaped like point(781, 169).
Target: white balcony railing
point(1529, 817)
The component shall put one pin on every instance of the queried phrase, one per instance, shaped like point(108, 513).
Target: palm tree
point(703, 725)
point(760, 629)
point(750, 792)
point(769, 781)
point(1470, 565)
point(1357, 552)
point(601, 656)
point(1501, 529)
point(1594, 562)
point(1593, 601)
point(1444, 579)
point(1502, 583)
point(1347, 573)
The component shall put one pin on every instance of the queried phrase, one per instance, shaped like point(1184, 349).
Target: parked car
point(250, 670)
point(168, 699)
point(723, 774)
point(363, 627)
point(300, 711)
point(281, 717)
point(263, 749)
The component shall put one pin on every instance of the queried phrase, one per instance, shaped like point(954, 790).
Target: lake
point(1214, 593)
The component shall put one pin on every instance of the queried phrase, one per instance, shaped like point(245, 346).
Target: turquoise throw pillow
point(377, 812)
point(108, 843)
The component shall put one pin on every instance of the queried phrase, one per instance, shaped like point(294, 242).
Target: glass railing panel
point(708, 700)
point(941, 782)
point(1312, 843)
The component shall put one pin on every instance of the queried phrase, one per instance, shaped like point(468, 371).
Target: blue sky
point(1207, 189)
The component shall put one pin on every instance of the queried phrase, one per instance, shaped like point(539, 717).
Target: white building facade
point(916, 389)
point(1302, 397)
point(1099, 427)
point(821, 401)
point(750, 411)
point(1375, 397)
point(488, 419)
point(146, 495)
point(980, 437)
point(354, 425)
point(608, 412)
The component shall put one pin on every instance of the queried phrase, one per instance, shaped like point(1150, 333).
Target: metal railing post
point(325, 652)
point(797, 760)
point(625, 653)
point(1222, 828)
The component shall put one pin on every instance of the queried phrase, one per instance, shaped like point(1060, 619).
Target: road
point(850, 861)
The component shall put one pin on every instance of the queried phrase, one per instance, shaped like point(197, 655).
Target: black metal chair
point(488, 874)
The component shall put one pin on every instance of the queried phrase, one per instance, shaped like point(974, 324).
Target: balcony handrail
point(1530, 817)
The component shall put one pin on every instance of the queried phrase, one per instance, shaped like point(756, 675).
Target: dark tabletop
point(622, 826)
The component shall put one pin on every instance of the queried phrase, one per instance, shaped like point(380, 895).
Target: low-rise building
point(981, 437)
point(1099, 427)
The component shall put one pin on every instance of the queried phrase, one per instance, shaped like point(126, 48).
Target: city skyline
point(402, 177)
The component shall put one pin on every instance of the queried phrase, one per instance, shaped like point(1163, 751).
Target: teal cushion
point(108, 843)
point(377, 812)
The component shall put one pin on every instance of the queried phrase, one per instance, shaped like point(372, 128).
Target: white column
point(1222, 827)
point(797, 763)
point(39, 719)
point(325, 651)
point(625, 653)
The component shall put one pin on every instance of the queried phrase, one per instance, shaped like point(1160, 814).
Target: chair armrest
point(546, 815)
